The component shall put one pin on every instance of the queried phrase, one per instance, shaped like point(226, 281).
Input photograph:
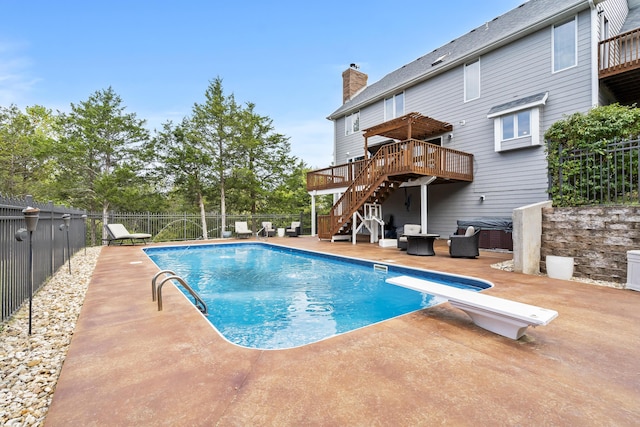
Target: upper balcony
point(403, 160)
point(619, 66)
point(409, 157)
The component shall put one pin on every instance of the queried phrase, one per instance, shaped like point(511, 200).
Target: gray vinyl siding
point(616, 12)
point(507, 179)
point(352, 144)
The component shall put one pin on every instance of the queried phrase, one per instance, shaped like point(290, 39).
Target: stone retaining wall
point(597, 237)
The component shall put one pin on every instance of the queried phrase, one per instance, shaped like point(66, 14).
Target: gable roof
point(517, 23)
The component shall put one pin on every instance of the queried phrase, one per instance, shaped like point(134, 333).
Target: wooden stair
point(382, 174)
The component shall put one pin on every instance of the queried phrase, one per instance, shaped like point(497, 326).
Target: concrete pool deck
point(129, 364)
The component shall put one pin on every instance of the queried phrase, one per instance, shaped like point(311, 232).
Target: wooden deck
point(619, 65)
point(405, 159)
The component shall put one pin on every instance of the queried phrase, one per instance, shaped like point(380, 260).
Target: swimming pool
point(266, 296)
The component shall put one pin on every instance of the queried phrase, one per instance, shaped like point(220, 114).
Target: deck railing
point(410, 157)
point(620, 53)
point(334, 176)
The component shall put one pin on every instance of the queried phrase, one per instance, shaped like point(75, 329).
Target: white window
point(472, 80)
point(517, 123)
point(394, 107)
point(565, 45)
point(352, 123)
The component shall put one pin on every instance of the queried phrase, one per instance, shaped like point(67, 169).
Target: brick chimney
point(353, 81)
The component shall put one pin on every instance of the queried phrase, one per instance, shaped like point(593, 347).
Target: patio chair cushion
point(407, 229)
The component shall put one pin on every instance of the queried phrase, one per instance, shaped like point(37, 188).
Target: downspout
point(595, 66)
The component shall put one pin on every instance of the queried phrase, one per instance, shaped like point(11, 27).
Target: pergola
point(409, 126)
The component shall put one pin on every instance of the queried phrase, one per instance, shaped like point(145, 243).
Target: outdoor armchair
point(407, 229)
point(294, 230)
point(465, 245)
point(267, 229)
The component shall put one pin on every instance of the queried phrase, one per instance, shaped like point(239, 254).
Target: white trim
point(575, 47)
point(534, 129)
point(349, 123)
point(394, 107)
point(528, 106)
point(599, 23)
point(479, 79)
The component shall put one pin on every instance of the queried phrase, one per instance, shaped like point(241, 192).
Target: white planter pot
point(559, 267)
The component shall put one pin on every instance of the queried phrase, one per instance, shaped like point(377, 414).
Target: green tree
point(263, 161)
point(215, 126)
point(290, 193)
point(101, 160)
point(187, 164)
point(26, 148)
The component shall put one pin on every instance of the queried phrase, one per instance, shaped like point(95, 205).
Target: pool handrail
point(153, 282)
point(198, 302)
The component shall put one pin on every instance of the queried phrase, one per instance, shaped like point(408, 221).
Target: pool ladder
point(198, 302)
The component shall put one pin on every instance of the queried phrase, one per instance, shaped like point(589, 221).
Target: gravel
point(30, 364)
point(508, 266)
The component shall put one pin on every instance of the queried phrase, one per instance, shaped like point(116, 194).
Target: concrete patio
point(129, 364)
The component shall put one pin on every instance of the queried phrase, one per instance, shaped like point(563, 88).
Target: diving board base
point(501, 316)
point(496, 323)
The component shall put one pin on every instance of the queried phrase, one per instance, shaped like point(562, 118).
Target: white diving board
point(502, 316)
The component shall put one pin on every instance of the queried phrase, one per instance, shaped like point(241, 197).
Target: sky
point(160, 56)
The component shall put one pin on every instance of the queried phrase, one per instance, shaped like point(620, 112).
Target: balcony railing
point(619, 54)
point(401, 160)
point(405, 157)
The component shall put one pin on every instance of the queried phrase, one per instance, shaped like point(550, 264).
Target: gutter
point(595, 66)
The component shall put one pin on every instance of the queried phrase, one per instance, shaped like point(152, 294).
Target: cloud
point(16, 83)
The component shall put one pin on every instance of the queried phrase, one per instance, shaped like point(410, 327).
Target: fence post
point(560, 170)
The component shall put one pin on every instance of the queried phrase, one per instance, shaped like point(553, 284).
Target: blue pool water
point(266, 296)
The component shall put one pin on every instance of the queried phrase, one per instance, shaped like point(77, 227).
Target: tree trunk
point(223, 207)
point(105, 220)
point(203, 217)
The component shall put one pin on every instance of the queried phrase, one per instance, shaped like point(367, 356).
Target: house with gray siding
point(459, 132)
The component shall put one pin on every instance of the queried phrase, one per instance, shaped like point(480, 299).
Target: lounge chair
point(268, 230)
point(242, 230)
point(294, 230)
point(466, 245)
point(407, 229)
point(118, 233)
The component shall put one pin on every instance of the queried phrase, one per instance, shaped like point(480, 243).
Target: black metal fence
point(608, 175)
point(51, 249)
point(48, 245)
point(167, 227)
